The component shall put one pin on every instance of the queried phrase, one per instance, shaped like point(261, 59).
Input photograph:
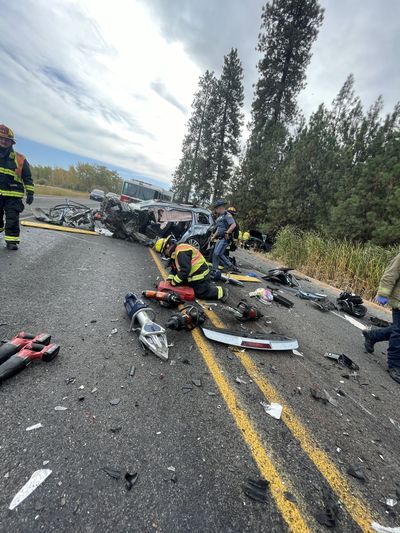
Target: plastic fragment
point(112, 472)
point(241, 381)
point(60, 408)
point(383, 529)
point(391, 501)
point(256, 489)
point(132, 371)
point(171, 468)
point(357, 472)
point(115, 401)
point(296, 352)
point(35, 426)
point(36, 479)
point(273, 409)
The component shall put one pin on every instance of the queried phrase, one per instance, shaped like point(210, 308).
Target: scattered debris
point(116, 429)
point(36, 479)
point(112, 472)
point(383, 529)
point(186, 361)
point(328, 516)
point(318, 394)
point(296, 352)
point(255, 341)
point(282, 276)
point(130, 479)
point(115, 401)
point(343, 360)
point(35, 426)
point(351, 303)
point(60, 408)
point(357, 471)
point(379, 322)
point(290, 497)
point(313, 296)
point(171, 468)
point(273, 409)
point(211, 393)
point(256, 489)
point(241, 381)
point(245, 312)
point(391, 501)
point(196, 382)
point(93, 390)
point(324, 306)
point(187, 388)
point(81, 398)
point(264, 296)
point(113, 332)
point(133, 370)
point(70, 380)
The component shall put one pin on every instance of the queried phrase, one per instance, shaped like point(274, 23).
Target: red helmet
point(7, 133)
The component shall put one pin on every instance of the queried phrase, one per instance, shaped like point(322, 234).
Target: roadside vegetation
point(341, 263)
point(48, 190)
point(81, 178)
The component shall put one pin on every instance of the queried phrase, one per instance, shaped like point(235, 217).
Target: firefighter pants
point(206, 290)
point(10, 209)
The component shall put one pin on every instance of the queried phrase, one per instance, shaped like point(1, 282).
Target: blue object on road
point(133, 304)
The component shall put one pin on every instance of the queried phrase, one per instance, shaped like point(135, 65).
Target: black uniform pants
point(10, 209)
point(206, 290)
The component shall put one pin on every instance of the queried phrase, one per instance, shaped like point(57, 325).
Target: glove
point(29, 198)
point(382, 300)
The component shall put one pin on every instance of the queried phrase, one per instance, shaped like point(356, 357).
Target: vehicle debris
point(36, 479)
point(281, 276)
point(130, 479)
point(112, 472)
point(171, 468)
point(343, 360)
point(391, 501)
point(324, 306)
point(60, 408)
point(133, 370)
point(318, 394)
point(241, 381)
point(188, 318)
point(245, 312)
point(70, 213)
point(196, 382)
point(115, 401)
point(296, 352)
point(256, 489)
point(328, 516)
point(351, 303)
point(151, 335)
point(187, 388)
point(35, 426)
point(383, 529)
point(255, 341)
point(313, 296)
point(357, 472)
point(265, 296)
point(273, 409)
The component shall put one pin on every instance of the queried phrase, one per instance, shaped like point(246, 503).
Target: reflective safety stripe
point(7, 171)
point(1, 230)
point(29, 188)
point(13, 194)
point(176, 279)
point(197, 261)
point(7, 238)
point(198, 277)
point(220, 293)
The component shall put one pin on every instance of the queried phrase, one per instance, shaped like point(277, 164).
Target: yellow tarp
point(242, 277)
point(42, 225)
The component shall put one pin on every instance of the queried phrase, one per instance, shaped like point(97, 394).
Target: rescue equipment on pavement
point(151, 335)
point(351, 303)
point(245, 312)
point(254, 341)
point(282, 276)
point(184, 291)
point(165, 299)
point(41, 225)
point(17, 354)
point(216, 275)
point(188, 318)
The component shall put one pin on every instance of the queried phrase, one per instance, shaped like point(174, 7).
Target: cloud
point(161, 90)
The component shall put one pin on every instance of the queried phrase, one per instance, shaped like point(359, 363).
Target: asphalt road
point(193, 448)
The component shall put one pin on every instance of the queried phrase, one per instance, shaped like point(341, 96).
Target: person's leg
point(12, 208)
point(218, 255)
point(379, 334)
point(394, 341)
point(1, 214)
point(206, 290)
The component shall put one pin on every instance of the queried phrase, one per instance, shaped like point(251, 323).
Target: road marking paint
point(357, 510)
point(289, 510)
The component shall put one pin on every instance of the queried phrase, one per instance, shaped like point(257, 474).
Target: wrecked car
point(69, 213)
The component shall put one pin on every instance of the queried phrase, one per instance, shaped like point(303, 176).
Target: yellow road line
point(43, 225)
point(357, 510)
point(289, 510)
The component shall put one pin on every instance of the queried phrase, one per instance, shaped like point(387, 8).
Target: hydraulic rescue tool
point(188, 318)
point(185, 292)
point(18, 342)
point(245, 312)
point(151, 334)
point(24, 357)
point(218, 276)
point(255, 341)
point(165, 299)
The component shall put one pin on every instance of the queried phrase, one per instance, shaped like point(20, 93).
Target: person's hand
point(29, 198)
point(381, 300)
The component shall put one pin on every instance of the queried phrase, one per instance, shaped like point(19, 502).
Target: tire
point(194, 242)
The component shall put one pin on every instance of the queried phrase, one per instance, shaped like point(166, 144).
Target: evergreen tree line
point(337, 173)
point(80, 177)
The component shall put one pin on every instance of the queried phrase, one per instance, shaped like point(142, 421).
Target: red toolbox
point(186, 293)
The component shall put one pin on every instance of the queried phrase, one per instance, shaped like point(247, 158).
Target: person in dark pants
point(225, 225)
point(388, 292)
point(189, 267)
point(15, 180)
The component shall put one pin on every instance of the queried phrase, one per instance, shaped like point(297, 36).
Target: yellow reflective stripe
point(1, 229)
point(13, 194)
point(177, 279)
point(30, 188)
point(199, 276)
point(220, 292)
point(7, 238)
point(8, 172)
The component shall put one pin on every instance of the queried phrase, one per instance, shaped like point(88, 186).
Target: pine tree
point(229, 120)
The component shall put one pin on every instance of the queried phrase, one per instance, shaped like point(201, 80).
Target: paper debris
point(273, 409)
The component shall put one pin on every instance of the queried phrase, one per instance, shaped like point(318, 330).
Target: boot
point(225, 295)
point(12, 246)
point(394, 373)
point(368, 344)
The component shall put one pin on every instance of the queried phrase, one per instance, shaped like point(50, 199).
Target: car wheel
point(194, 242)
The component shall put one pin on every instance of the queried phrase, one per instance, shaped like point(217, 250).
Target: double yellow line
point(290, 511)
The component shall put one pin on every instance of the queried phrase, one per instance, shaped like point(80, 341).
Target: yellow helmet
point(161, 244)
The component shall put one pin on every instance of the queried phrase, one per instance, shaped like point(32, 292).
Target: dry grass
point(344, 264)
point(47, 190)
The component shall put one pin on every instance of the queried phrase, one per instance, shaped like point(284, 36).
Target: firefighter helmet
point(232, 210)
point(161, 244)
point(7, 133)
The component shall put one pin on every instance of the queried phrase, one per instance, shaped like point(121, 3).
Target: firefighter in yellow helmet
point(189, 267)
point(15, 181)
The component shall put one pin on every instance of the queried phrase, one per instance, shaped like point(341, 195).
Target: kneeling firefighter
point(15, 179)
point(189, 267)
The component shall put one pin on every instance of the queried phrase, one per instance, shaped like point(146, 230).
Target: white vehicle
point(134, 191)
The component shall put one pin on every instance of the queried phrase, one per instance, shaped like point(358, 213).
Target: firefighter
point(15, 180)
point(189, 267)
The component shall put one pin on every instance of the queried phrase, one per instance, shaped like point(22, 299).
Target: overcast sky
point(114, 81)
